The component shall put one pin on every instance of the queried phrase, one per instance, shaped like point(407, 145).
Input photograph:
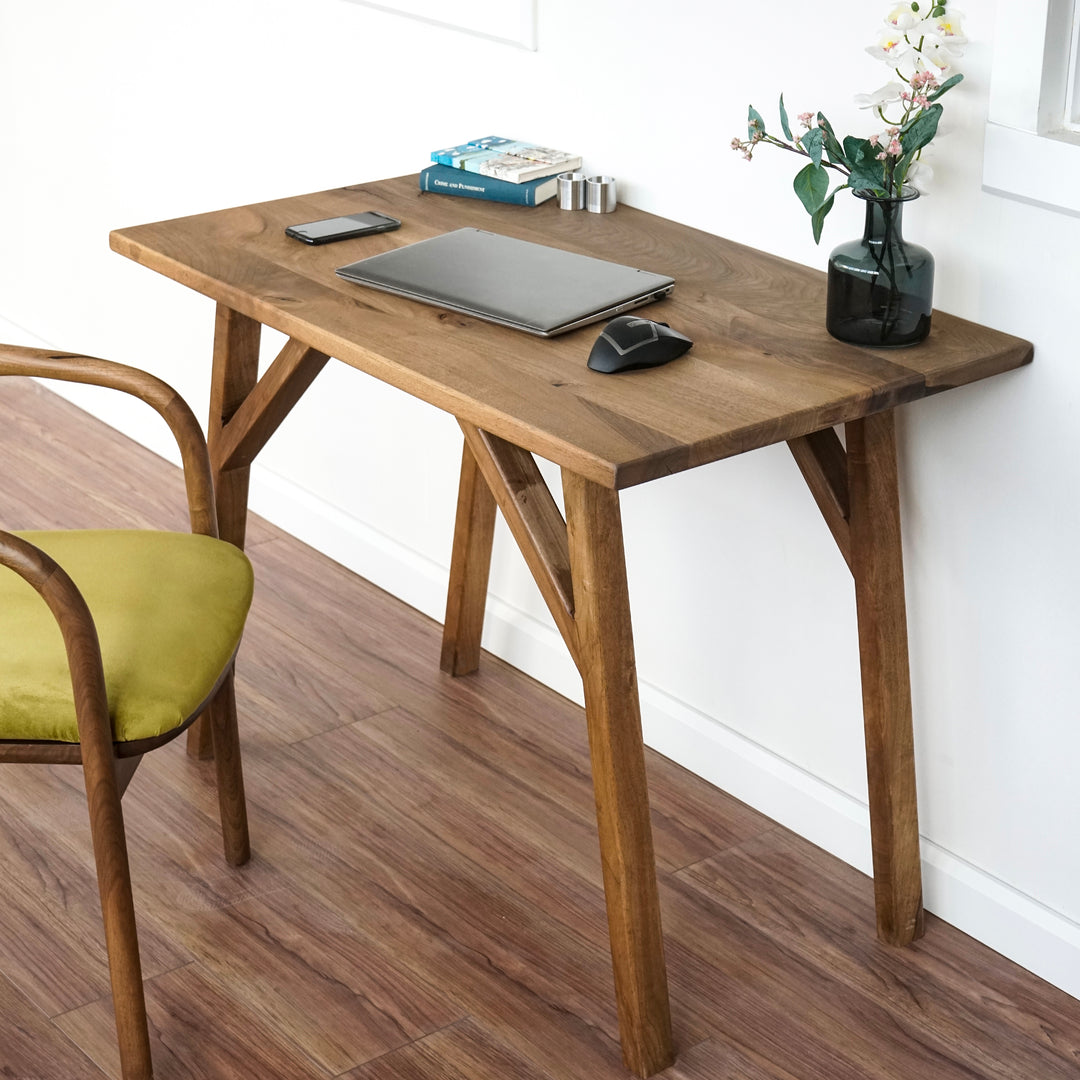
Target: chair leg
point(118, 915)
point(200, 740)
point(230, 776)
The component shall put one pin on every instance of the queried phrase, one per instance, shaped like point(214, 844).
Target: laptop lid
point(532, 287)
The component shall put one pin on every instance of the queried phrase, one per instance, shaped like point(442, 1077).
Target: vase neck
point(884, 221)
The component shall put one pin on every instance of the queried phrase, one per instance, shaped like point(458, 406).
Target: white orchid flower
point(885, 95)
point(921, 26)
point(947, 28)
point(939, 55)
point(890, 47)
point(920, 176)
point(942, 32)
point(911, 42)
point(902, 17)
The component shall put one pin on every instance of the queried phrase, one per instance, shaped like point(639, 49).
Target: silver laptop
point(532, 287)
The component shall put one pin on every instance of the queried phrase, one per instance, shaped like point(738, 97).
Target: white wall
point(122, 112)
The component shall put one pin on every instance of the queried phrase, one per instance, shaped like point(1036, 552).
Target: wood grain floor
point(424, 902)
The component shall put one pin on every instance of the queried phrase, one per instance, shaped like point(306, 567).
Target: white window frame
point(1031, 150)
point(1072, 85)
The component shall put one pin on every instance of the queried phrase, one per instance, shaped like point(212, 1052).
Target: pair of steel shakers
point(593, 193)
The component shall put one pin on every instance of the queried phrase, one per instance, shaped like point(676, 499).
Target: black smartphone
point(342, 228)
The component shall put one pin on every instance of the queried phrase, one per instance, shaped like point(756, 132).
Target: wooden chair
point(111, 644)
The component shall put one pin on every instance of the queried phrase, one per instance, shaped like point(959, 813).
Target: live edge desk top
point(762, 370)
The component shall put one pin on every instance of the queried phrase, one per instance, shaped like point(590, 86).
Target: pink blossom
point(895, 148)
point(874, 140)
point(882, 156)
point(806, 119)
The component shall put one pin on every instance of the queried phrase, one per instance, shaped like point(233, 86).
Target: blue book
point(447, 180)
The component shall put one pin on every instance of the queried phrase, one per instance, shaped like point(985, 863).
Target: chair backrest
point(108, 761)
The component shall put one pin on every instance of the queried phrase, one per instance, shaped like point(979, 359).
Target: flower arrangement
point(921, 50)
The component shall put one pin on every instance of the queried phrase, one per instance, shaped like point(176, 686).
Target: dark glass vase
point(881, 288)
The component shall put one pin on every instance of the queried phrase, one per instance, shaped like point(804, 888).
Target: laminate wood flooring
point(424, 901)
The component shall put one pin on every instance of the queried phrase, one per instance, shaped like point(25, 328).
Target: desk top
point(762, 370)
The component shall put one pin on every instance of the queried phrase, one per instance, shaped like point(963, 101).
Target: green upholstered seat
point(169, 610)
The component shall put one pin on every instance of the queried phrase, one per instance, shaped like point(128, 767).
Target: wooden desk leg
point(230, 776)
point(236, 370)
point(470, 564)
point(877, 564)
point(605, 638)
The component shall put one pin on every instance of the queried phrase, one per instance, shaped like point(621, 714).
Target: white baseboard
point(1008, 921)
point(1019, 927)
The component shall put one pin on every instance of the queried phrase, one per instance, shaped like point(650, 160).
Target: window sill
point(1029, 167)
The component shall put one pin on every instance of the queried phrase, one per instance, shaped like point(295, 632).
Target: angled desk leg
point(470, 565)
point(244, 412)
point(856, 491)
point(877, 565)
point(235, 372)
point(609, 673)
point(580, 569)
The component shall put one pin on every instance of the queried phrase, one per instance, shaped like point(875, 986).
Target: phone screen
point(340, 227)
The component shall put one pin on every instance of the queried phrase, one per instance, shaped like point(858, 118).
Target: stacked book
point(498, 169)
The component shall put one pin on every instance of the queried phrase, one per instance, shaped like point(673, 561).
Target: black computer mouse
point(628, 343)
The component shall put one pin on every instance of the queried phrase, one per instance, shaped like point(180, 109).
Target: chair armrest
point(80, 639)
point(74, 367)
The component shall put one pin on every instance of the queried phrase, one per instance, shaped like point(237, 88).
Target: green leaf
point(784, 121)
point(811, 142)
point(867, 173)
point(832, 144)
point(812, 185)
point(947, 85)
point(853, 148)
point(817, 218)
point(900, 171)
point(754, 123)
point(921, 131)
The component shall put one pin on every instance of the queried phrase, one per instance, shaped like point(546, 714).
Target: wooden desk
point(762, 370)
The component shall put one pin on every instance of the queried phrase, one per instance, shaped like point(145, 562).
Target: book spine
point(447, 180)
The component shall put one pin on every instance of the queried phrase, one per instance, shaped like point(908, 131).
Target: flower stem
point(773, 141)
